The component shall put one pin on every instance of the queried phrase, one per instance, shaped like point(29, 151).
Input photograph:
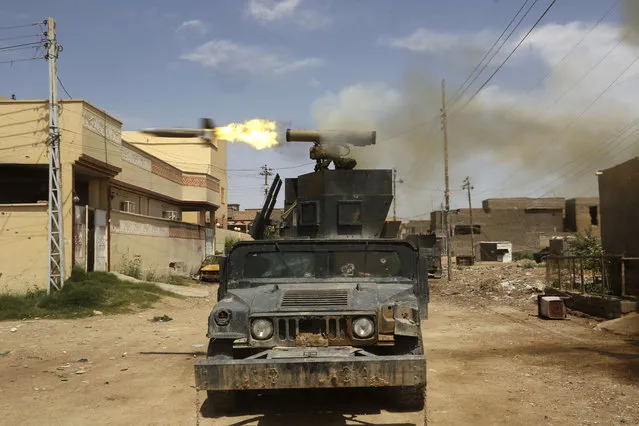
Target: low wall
point(158, 243)
point(222, 234)
point(23, 247)
point(608, 307)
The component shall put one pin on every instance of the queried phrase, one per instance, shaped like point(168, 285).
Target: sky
point(553, 114)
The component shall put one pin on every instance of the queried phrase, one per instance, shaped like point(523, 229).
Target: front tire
point(221, 401)
point(409, 398)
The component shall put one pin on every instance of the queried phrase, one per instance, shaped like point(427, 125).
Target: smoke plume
point(545, 138)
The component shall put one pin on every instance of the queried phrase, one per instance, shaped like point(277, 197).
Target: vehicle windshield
point(324, 263)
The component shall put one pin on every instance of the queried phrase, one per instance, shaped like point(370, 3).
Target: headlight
point(222, 317)
point(262, 329)
point(363, 328)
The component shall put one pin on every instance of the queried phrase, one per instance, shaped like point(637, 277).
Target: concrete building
point(242, 220)
point(619, 200)
point(414, 227)
point(123, 198)
point(582, 215)
point(528, 223)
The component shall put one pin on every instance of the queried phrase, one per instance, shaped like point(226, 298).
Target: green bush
point(589, 247)
point(528, 264)
point(81, 295)
point(229, 242)
point(522, 255)
point(131, 267)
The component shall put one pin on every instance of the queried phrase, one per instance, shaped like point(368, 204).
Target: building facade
point(619, 200)
point(122, 201)
point(528, 223)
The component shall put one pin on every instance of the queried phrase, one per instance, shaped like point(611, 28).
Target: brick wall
point(527, 223)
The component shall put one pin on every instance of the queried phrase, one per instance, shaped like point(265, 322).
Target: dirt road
point(488, 365)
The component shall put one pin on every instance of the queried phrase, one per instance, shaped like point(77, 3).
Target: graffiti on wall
point(131, 227)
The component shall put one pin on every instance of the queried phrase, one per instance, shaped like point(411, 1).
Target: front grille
point(315, 298)
point(333, 329)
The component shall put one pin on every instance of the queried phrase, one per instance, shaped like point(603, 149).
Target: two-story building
point(124, 197)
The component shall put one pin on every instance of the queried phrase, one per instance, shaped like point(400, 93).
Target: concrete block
point(552, 307)
point(628, 306)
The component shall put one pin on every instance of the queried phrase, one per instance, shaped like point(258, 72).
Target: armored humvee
point(335, 301)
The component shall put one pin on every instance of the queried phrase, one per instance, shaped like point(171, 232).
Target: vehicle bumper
point(318, 371)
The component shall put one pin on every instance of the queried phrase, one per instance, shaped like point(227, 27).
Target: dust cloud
point(524, 137)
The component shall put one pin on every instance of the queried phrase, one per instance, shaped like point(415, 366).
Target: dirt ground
point(489, 363)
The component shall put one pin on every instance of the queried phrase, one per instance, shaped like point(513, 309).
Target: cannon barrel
point(351, 137)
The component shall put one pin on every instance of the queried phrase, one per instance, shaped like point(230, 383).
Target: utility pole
point(468, 186)
point(266, 172)
point(395, 193)
point(56, 235)
point(447, 193)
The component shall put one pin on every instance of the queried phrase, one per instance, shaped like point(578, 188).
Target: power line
point(11, 61)
point(20, 26)
point(21, 46)
point(583, 76)
point(507, 58)
point(457, 95)
point(606, 147)
point(64, 88)
point(20, 37)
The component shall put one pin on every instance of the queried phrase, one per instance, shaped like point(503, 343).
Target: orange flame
point(258, 133)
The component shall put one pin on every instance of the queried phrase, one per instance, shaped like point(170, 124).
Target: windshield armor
point(322, 262)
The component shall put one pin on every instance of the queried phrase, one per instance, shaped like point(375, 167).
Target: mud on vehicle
point(322, 314)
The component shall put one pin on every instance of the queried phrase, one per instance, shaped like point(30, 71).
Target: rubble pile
point(517, 282)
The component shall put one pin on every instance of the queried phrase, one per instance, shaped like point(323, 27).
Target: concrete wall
point(619, 200)
point(23, 242)
point(222, 234)
point(579, 218)
point(24, 128)
point(157, 242)
point(527, 223)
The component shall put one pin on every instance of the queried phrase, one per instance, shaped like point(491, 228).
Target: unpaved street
point(489, 364)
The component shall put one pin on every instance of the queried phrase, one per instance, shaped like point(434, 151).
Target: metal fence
point(595, 275)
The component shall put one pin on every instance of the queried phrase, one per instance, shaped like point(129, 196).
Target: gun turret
point(331, 145)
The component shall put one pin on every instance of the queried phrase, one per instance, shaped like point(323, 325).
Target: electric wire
point(64, 88)
point(21, 26)
point(505, 60)
point(457, 95)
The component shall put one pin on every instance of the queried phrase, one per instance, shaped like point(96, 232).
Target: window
point(127, 206)
point(330, 264)
point(594, 216)
point(465, 229)
point(309, 214)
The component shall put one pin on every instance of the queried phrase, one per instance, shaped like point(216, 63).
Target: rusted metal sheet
point(364, 371)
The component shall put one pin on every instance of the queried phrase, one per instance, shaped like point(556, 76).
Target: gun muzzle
point(328, 137)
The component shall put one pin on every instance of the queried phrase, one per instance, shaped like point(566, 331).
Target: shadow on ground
point(309, 407)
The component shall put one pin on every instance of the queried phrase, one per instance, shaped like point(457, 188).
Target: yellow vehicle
point(210, 270)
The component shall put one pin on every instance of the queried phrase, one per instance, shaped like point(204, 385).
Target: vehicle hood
point(324, 297)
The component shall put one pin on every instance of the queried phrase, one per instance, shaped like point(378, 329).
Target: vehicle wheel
point(221, 401)
point(409, 398)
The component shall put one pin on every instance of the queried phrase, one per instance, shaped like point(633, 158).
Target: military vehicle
point(431, 244)
point(336, 301)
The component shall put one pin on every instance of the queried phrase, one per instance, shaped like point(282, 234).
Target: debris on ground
point(514, 282)
point(163, 318)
